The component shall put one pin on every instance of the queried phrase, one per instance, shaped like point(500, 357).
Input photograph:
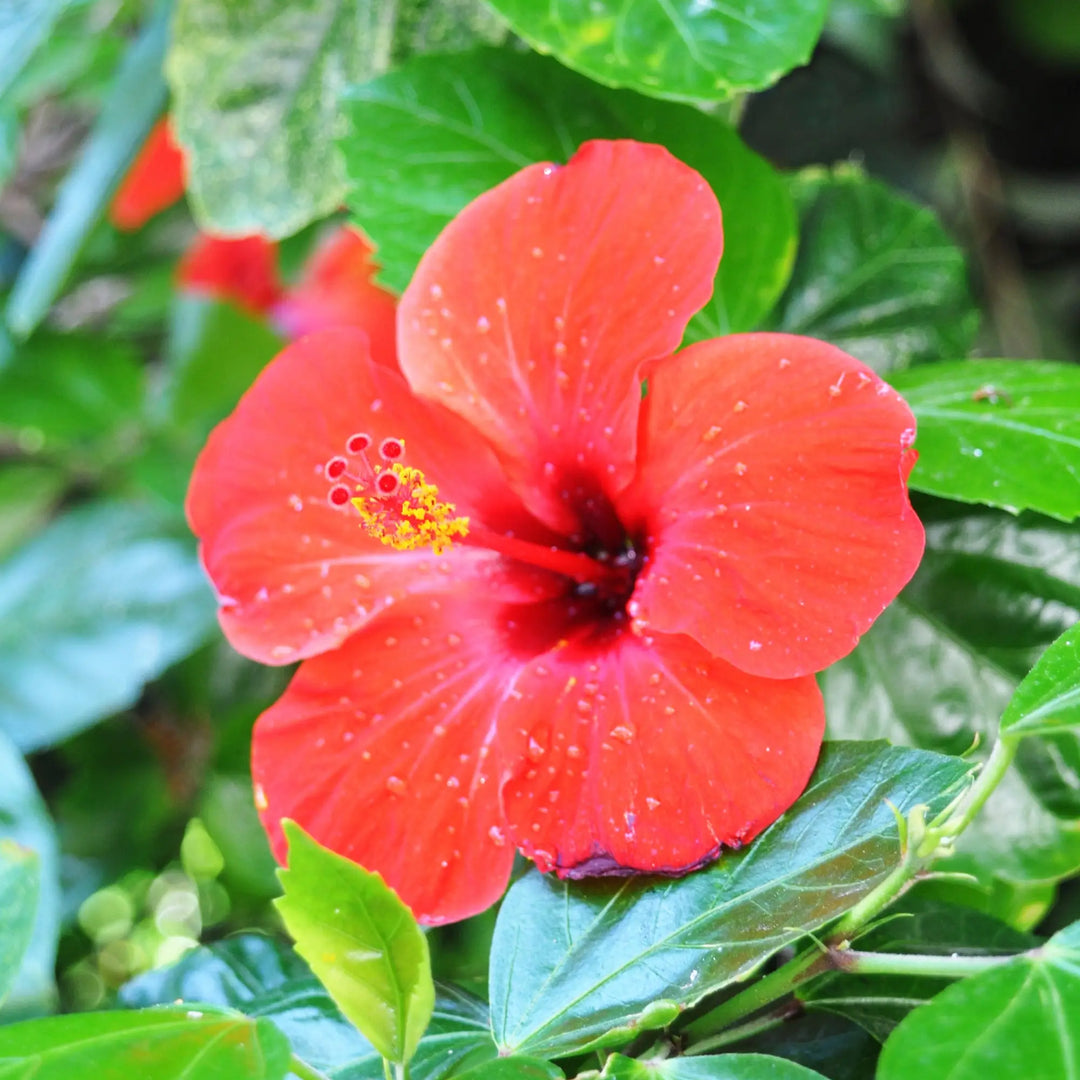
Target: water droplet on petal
point(395, 785)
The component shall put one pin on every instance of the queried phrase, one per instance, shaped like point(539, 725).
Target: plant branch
point(950, 966)
point(303, 1071)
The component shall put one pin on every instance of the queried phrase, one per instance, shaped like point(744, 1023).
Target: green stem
point(301, 1069)
point(739, 1032)
point(765, 991)
point(942, 967)
point(990, 775)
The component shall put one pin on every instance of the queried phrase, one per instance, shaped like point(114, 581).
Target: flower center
point(398, 506)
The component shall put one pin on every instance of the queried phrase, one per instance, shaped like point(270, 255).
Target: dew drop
point(755, 646)
point(623, 733)
point(498, 837)
point(740, 406)
point(651, 803)
point(395, 785)
point(483, 325)
point(535, 751)
point(740, 468)
point(296, 502)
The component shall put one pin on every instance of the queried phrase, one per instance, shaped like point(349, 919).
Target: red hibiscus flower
point(537, 609)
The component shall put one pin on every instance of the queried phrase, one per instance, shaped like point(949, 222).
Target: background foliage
point(910, 194)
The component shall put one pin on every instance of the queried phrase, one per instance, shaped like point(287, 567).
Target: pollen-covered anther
point(402, 510)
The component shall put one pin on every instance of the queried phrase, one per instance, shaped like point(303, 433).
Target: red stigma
point(387, 483)
point(391, 449)
point(339, 496)
point(358, 443)
point(335, 468)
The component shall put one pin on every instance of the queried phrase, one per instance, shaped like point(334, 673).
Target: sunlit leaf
point(1001, 432)
point(681, 49)
point(1048, 700)
point(619, 956)
point(723, 1067)
point(361, 941)
point(876, 274)
point(1018, 1019)
point(167, 1044)
point(260, 82)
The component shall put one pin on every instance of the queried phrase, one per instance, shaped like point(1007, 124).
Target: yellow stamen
point(411, 518)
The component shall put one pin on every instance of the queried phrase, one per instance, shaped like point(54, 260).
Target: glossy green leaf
point(879, 1002)
point(1001, 432)
point(361, 941)
point(1048, 700)
point(64, 391)
point(514, 1067)
point(875, 274)
point(135, 99)
point(19, 882)
point(28, 495)
point(1015, 1020)
point(824, 1042)
point(680, 49)
point(260, 82)
point(166, 1044)
point(24, 820)
point(484, 115)
point(91, 609)
point(723, 1067)
point(620, 956)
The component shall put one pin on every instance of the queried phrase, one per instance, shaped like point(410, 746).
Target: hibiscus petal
point(240, 269)
point(296, 576)
point(772, 493)
point(338, 289)
point(153, 183)
point(534, 310)
point(384, 751)
point(649, 755)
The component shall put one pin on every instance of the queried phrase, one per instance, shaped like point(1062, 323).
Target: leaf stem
point(736, 1034)
point(990, 775)
point(950, 966)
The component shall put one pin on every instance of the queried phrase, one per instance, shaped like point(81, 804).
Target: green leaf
point(261, 977)
point(167, 1044)
point(484, 115)
point(680, 49)
point(621, 956)
point(875, 274)
point(24, 25)
point(25, 821)
point(68, 390)
point(91, 609)
point(724, 1067)
point(134, 101)
point(260, 82)
point(1001, 432)
point(1048, 700)
point(19, 882)
point(514, 1067)
point(879, 1002)
point(28, 494)
point(1015, 1020)
point(940, 666)
point(215, 352)
point(361, 941)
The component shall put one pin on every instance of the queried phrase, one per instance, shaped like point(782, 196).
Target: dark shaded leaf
point(875, 274)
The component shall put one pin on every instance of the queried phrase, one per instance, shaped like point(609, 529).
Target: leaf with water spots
point(1001, 432)
point(361, 941)
point(687, 50)
point(1018, 1019)
point(581, 965)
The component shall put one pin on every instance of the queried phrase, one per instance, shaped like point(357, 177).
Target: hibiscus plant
point(518, 554)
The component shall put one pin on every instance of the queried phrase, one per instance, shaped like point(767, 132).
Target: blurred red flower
point(336, 286)
point(536, 609)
